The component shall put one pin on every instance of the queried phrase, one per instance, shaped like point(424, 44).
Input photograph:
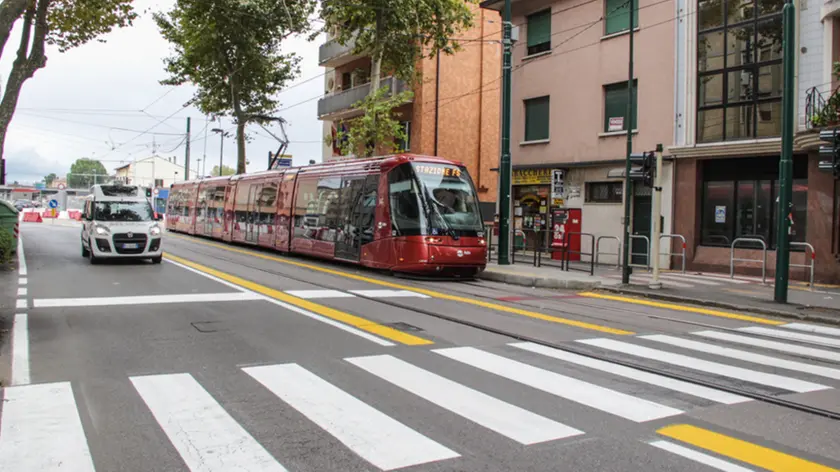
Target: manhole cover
point(404, 326)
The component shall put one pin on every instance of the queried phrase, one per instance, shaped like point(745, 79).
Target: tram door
point(252, 226)
point(209, 193)
point(357, 207)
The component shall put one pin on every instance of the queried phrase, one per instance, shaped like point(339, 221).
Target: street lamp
point(222, 135)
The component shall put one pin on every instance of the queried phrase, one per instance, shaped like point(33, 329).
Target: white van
point(119, 222)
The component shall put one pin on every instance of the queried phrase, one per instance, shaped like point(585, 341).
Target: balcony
point(333, 54)
point(340, 105)
point(822, 109)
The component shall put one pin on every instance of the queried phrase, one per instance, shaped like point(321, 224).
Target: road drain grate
point(403, 326)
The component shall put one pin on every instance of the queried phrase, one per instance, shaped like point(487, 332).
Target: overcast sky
point(96, 100)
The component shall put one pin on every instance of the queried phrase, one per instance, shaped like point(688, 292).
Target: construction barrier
point(51, 213)
point(74, 215)
point(32, 217)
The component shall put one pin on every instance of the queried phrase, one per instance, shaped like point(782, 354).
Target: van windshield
point(123, 211)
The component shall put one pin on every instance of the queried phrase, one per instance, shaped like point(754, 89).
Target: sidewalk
point(746, 294)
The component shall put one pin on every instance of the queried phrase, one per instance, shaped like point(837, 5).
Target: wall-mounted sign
point(557, 183)
point(531, 176)
point(720, 214)
point(616, 123)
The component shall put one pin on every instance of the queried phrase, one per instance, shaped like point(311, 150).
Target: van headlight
point(101, 230)
point(154, 230)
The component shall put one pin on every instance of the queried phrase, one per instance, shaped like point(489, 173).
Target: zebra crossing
point(41, 425)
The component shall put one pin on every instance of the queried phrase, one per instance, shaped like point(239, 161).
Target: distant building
point(152, 171)
point(58, 182)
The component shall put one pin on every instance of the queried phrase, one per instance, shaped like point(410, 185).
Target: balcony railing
point(822, 109)
point(343, 101)
point(332, 50)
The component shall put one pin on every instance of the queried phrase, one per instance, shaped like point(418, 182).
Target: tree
point(230, 50)
point(85, 172)
point(225, 171)
point(377, 130)
point(62, 23)
point(398, 33)
point(48, 180)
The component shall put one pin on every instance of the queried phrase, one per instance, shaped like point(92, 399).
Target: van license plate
point(130, 246)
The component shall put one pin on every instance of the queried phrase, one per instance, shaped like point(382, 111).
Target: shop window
point(739, 51)
point(539, 32)
point(617, 14)
point(615, 105)
point(603, 192)
point(739, 201)
point(536, 118)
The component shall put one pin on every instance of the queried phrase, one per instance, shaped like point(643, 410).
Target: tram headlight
point(481, 242)
point(433, 240)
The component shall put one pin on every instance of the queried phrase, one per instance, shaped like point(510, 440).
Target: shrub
point(7, 244)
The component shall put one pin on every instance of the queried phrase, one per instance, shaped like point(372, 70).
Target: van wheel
point(157, 260)
point(85, 252)
point(93, 259)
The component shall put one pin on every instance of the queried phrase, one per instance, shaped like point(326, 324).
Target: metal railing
point(617, 254)
point(646, 253)
point(674, 254)
point(565, 253)
point(763, 260)
point(810, 266)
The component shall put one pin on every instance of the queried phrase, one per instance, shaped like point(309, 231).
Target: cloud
point(27, 166)
point(87, 103)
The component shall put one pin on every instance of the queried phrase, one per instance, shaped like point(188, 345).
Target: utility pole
point(187, 153)
point(505, 170)
point(628, 184)
point(657, 219)
point(786, 161)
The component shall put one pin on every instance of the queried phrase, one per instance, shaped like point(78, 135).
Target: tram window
point(267, 201)
point(241, 203)
point(406, 213)
point(306, 207)
point(328, 207)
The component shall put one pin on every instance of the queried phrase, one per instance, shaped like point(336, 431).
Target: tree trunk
point(376, 66)
point(240, 145)
point(241, 118)
point(10, 12)
point(25, 64)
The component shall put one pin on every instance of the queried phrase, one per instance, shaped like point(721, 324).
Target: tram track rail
point(758, 396)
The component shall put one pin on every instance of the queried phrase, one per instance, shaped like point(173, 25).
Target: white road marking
point(21, 291)
point(310, 294)
point(20, 350)
point(374, 436)
point(301, 311)
point(700, 457)
point(774, 345)
point(635, 374)
point(692, 280)
point(778, 333)
point(809, 328)
point(41, 430)
point(715, 368)
point(604, 399)
point(708, 278)
point(643, 279)
point(22, 281)
point(388, 293)
point(146, 299)
point(508, 420)
point(203, 433)
point(745, 356)
point(21, 258)
point(21, 303)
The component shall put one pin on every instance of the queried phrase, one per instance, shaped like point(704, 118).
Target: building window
point(617, 14)
point(739, 201)
point(615, 106)
point(603, 192)
point(536, 118)
point(404, 145)
point(158, 183)
point(539, 32)
point(739, 67)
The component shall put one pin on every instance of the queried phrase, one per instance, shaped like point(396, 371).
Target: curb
point(540, 282)
point(833, 320)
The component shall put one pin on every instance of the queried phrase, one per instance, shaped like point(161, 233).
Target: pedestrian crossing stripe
point(45, 417)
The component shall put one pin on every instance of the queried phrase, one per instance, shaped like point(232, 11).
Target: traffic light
point(643, 167)
point(830, 154)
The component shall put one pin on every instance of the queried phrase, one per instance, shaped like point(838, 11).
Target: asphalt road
point(225, 358)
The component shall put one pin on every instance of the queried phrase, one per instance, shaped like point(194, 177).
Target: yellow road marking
point(346, 318)
point(689, 309)
point(743, 451)
point(743, 292)
point(430, 293)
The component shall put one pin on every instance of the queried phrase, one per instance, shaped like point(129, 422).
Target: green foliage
point(75, 22)
point(230, 51)
point(7, 244)
point(400, 32)
point(377, 130)
point(84, 173)
point(225, 171)
point(48, 180)
point(829, 115)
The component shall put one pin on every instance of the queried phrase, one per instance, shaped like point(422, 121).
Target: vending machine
point(565, 224)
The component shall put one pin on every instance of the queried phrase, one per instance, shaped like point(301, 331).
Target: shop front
point(532, 204)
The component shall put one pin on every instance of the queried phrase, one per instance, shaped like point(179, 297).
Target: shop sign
point(616, 123)
point(531, 176)
point(557, 183)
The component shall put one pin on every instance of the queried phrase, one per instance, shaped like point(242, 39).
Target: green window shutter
point(536, 118)
point(615, 104)
point(618, 15)
point(539, 28)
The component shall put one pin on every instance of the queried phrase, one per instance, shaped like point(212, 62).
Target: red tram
point(405, 213)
